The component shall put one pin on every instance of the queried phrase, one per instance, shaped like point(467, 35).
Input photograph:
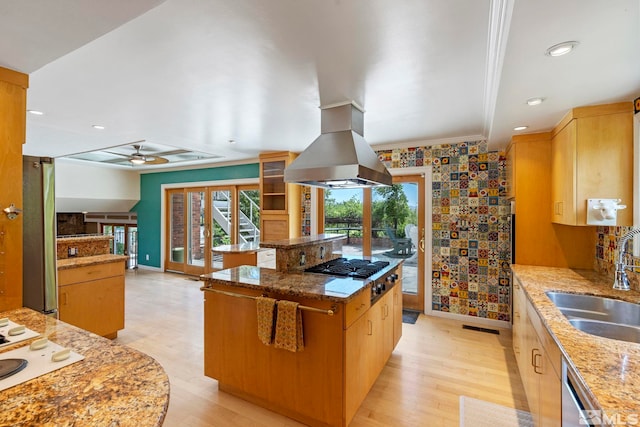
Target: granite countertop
point(85, 261)
point(113, 385)
point(307, 285)
point(302, 241)
point(610, 369)
point(83, 238)
point(239, 248)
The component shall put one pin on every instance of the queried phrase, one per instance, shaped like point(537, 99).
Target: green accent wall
point(149, 207)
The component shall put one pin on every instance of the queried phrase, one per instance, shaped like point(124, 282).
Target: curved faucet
point(621, 281)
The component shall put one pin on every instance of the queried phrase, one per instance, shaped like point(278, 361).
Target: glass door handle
point(422, 241)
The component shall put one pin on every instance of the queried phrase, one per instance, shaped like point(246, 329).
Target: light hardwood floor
point(435, 362)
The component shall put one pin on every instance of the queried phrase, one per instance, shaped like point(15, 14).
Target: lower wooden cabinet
point(92, 298)
point(539, 362)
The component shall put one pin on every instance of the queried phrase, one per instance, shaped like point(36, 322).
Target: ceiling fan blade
point(156, 160)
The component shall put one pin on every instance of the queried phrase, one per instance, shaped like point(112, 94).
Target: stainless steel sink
point(596, 308)
point(604, 317)
point(607, 330)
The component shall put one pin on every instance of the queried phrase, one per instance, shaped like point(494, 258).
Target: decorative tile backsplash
point(607, 250)
point(470, 222)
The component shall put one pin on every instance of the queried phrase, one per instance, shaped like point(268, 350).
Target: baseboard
point(471, 320)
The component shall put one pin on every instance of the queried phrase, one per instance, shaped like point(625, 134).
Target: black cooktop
point(357, 268)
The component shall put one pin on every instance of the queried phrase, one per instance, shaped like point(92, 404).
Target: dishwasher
point(575, 404)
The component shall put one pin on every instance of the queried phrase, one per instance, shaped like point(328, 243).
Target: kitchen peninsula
point(113, 385)
point(91, 284)
point(350, 327)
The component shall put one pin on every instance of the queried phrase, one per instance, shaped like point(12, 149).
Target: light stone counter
point(114, 385)
point(610, 369)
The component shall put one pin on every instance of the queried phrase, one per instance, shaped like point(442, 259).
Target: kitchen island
point(112, 385)
point(349, 333)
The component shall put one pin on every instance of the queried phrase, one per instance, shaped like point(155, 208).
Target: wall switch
point(146, 257)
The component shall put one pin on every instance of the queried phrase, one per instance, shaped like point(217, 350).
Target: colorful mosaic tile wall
point(470, 223)
point(607, 249)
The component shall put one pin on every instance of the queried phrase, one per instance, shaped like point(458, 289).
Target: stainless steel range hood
point(339, 157)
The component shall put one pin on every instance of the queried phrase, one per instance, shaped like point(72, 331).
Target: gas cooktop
point(356, 268)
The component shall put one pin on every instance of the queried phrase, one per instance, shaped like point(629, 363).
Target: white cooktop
point(12, 339)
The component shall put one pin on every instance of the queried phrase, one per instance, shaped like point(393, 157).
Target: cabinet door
point(274, 227)
point(531, 379)
point(97, 306)
point(386, 310)
point(604, 163)
point(563, 170)
point(550, 392)
point(397, 313)
point(359, 352)
point(519, 328)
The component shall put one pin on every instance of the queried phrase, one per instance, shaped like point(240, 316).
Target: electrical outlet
point(146, 257)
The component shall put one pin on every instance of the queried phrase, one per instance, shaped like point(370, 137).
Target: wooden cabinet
point(538, 241)
point(592, 157)
point(539, 362)
point(13, 109)
point(280, 203)
point(92, 297)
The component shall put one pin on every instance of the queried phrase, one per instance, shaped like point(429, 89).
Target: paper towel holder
point(603, 211)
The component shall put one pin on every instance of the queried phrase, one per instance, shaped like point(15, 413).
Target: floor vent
point(479, 329)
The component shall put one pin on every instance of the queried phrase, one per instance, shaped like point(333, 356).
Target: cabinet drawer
point(356, 308)
point(90, 272)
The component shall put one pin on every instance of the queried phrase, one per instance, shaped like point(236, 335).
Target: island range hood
point(340, 157)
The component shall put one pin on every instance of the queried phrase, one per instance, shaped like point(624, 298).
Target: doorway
point(201, 218)
point(387, 223)
point(125, 241)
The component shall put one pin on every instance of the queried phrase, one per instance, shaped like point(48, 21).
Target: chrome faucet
point(621, 281)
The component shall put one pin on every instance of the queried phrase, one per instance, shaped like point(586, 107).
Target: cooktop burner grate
point(357, 268)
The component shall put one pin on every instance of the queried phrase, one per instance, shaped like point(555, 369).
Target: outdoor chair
point(401, 246)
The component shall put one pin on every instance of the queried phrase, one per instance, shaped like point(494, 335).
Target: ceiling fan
point(139, 158)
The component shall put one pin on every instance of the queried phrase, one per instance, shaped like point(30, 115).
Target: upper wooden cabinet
point(592, 158)
point(280, 203)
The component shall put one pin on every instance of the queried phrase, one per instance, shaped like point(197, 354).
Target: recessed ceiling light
point(35, 112)
point(535, 101)
point(232, 141)
point(561, 48)
point(99, 127)
point(520, 128)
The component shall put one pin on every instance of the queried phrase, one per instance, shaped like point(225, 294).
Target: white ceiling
point(194, 74)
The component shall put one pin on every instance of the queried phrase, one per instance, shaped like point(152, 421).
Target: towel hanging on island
point(289, 327)
point(266, 319)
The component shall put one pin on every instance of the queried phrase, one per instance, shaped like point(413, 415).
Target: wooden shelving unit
point(280, 202)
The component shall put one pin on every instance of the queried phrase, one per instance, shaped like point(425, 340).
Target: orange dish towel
point(266, 317)
point(289, 327)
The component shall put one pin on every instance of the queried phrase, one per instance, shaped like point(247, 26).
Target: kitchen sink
point(601, 316)
point(596, 308)
point(607, 329)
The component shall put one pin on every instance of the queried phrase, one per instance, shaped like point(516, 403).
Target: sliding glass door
point(201, 218)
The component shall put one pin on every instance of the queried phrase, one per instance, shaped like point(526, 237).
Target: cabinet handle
point(535, 364)
point(516, 349)
point(360, 307)
point(386, 311)
point(370, 327)
point(516, 314)
point(533, 352)
point(64, 298)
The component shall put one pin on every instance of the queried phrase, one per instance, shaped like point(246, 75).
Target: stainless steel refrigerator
point(39, 235)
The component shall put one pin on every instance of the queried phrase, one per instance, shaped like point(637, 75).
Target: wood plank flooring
point(435, 362)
